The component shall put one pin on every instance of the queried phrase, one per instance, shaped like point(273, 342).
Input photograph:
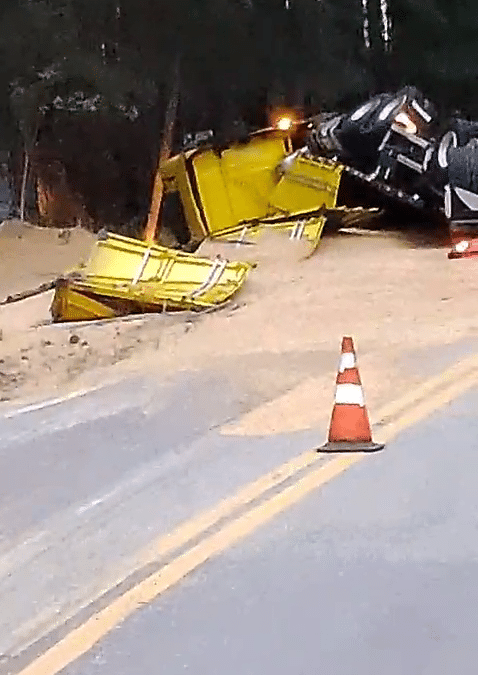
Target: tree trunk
point(26, 166)
point(158, 189)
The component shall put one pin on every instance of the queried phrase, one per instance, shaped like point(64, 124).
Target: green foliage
point(235, 54)
point(116, 58)
point(435, 47)
point(232, 52)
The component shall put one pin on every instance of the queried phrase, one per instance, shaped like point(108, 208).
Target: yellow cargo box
point(126, 275)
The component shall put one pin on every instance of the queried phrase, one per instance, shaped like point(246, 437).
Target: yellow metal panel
point(128, 259)
point(305, 227)
point(236, 185)
point(307, 185)
point(213, 192)
point(147, 278)
point(184, 287)
point(242, 183)
point(250, 175)
point(175, 176)
point(70, 305)
point(123, 258)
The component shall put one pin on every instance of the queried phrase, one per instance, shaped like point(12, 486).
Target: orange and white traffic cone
point(349, 429)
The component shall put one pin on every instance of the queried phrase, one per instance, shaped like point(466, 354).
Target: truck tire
point(463, 166)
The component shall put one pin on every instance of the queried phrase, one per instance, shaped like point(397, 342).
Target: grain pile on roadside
point(280, 336)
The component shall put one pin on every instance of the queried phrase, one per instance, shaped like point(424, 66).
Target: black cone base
point(351, 446)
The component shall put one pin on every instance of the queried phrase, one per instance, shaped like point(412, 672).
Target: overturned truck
point(232, 194)
point(296, 178)
point(395, 145)
point(391, 151)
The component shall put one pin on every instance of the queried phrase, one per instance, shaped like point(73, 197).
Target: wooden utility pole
point(165, 150)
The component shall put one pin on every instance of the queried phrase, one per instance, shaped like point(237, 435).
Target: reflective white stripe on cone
point(347, 360)
point(349, 394)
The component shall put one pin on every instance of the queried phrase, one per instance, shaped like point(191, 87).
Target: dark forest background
point(84, 84)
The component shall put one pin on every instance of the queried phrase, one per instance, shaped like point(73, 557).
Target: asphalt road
point(374, 573)
point(87, 484)
point(371, 572)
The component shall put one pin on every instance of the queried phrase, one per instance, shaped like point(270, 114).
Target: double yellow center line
point(239, 515)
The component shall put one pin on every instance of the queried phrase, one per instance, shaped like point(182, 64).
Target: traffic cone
point(349, 429)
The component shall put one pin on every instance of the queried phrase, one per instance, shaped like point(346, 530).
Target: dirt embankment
point(30, 256)
point(281, 333)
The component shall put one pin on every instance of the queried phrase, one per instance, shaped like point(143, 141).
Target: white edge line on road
point(49, 403)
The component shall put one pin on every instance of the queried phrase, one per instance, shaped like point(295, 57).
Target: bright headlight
point(403, 119)
point(284, 123)
point(462, 246)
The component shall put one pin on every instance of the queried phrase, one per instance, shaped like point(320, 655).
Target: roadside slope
point(283, 328)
